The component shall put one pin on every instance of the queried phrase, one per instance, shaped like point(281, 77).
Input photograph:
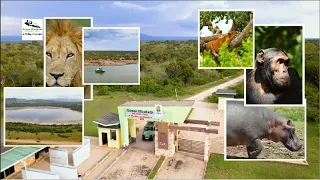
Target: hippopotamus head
point(285, 132)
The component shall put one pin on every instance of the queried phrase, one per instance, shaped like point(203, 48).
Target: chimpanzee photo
point(273, 81)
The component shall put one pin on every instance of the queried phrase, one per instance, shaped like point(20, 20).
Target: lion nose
point(56, 75)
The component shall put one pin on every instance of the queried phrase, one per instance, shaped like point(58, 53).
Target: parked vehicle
point(149, 131)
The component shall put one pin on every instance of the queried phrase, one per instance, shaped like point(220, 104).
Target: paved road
point(201, 96)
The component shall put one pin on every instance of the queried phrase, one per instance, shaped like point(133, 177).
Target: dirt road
point(33, 141)
point(201, 96)
point(191, 167)
point(209, 111)
point(96, 173)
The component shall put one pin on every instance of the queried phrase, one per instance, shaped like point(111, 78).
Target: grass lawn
point(109, 103)
point(292, 113)
point(75, 136)
point(156, 168)
point(220, 169)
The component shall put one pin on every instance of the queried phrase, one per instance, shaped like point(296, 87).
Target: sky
point(158, 18)
point(222, 25)
point(119, 39)
point(43, 93)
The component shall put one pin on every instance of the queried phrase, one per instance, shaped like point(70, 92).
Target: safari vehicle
point(100, 70)
point(149, 131)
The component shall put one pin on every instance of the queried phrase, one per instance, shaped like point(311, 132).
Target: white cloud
point(11, 26)
point(181, 18)
point(175, 11)
point(141, 25)
point(131, 6)
point(294, 12)
point(223, 26)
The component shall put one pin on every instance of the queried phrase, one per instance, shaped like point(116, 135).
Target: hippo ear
point(289, 122)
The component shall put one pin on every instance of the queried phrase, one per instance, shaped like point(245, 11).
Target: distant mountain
point(13, 39)
point(143, 37)
point(66, 99)
point(16, 100)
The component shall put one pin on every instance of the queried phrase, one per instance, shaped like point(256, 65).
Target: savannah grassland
point(110, 58)
point(55, 132)
point(170, 65)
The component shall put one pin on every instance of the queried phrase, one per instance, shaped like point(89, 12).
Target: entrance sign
point(139, 113)
point(158, 112)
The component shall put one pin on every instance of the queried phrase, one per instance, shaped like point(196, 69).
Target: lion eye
point(49, 54)
point(70, 55)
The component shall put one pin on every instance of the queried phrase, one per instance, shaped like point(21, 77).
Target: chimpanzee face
point(274, 64)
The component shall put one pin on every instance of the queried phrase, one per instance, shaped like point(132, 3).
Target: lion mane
point(71, 29)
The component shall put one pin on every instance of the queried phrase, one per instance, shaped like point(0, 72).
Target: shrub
point(213, 98)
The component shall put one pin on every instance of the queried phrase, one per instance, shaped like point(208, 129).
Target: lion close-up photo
point(64, 53)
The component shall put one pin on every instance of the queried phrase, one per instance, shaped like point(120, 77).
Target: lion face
point(62, 57)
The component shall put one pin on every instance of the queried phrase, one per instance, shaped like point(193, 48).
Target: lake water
point(113, 74)
point(43, 115)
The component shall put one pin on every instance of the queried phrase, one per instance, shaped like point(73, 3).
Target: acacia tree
point(242, 21)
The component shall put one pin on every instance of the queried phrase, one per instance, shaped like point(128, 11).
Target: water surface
point(43, 115)
point(113, 74)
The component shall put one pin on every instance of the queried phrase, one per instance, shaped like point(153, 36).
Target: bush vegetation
point(36, 128)
point(111, 55)
point(239, 89)
point(312, 79)
point(22, 64)
point(273, 37)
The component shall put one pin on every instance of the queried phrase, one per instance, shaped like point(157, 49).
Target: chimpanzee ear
point(260, 58)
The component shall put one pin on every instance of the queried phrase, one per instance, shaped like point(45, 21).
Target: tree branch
point(237, 40)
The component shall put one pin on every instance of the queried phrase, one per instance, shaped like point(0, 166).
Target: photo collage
point(85, 98)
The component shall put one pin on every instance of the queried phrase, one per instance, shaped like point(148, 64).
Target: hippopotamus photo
point(248, 125)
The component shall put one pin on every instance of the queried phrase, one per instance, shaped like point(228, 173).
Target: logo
point(158, 112)
point(32, 29)
point(33, 24)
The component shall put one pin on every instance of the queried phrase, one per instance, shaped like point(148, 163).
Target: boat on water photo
point(99, 70)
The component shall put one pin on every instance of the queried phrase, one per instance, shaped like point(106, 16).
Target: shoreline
point(36, 107)
point(102, 62)
point(69, 122)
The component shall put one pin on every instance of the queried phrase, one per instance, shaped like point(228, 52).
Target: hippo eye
point(70, 55)
point(49, 54)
